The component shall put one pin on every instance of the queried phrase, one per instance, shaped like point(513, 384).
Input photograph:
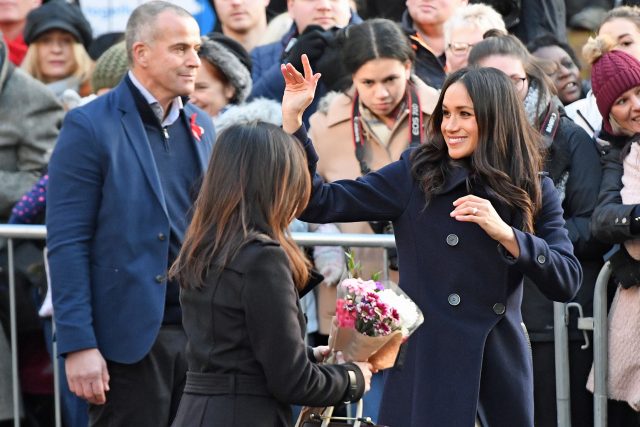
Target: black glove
point(313, 41)
point(625, 269)
point(334, 75)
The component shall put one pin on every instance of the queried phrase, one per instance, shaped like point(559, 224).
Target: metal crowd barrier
point(598, 324)
point(11, 232)
point(561, 319)
point(38, 232)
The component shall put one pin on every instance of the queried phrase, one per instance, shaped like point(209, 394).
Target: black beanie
point(58, 15)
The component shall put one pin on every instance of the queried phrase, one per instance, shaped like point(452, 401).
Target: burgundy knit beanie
point(614, 73)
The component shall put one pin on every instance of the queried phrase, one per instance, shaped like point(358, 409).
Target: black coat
point(247, 322)
point(427, 66)
point(471, 355)
point(611, 221)
point(573, 163)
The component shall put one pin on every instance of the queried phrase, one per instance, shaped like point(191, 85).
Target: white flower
point(410, 315)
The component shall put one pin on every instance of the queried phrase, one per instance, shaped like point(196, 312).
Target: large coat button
point(541, 259)
point(454, 299)
point(452, 240)
point(499, 308)
point(159, 278)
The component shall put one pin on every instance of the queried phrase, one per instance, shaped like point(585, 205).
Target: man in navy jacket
point(123, 177)
point(266, 60)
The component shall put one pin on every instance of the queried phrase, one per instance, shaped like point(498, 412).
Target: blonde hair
point(82, 71)
point(482, 16)
point(630, 13)
point(597, 46)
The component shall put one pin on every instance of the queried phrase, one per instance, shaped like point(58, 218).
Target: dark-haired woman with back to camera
point(471, 215)
point(240, 273)
point(573, 163)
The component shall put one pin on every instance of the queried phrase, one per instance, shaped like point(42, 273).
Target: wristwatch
point(354, 388)
point(353, 384)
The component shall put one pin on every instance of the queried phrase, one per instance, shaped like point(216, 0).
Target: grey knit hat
point(110, 67)
point(232, 60)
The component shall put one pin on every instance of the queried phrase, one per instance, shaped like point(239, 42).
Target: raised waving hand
point(298, 93)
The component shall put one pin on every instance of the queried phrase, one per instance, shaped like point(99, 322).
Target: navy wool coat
point(471, 356)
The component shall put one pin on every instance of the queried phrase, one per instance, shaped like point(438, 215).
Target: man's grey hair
point(140, 26)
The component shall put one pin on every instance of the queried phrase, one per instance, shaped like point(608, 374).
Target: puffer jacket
point(611, 221)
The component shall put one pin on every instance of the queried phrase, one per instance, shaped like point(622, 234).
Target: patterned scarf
point(535, 104)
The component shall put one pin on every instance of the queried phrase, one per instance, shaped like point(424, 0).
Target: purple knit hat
point(614, 73)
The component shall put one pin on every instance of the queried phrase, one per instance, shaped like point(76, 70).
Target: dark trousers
point(544, 384)
point(146, 393)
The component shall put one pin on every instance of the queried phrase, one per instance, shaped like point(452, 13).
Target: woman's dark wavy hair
point(507, 159)
point(256, 183)
point(373, 39)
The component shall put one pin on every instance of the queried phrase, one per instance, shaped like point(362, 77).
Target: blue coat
point(108, 228)
point(267, 77)
point(471, 355)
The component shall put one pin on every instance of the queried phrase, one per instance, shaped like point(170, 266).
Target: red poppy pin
point(196, 130)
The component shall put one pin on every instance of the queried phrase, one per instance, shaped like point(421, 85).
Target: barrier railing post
point(56, 376)
point(385, 263)
point(600, 347)
point(11, 232)
point(14, 335)
point(561, 346)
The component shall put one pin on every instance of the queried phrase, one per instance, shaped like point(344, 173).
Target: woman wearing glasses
point(573, 163)
point(465, 28)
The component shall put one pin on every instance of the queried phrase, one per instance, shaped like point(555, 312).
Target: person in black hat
point(58, 35)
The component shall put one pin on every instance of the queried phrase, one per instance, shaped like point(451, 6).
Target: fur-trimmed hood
point(229, 63)
point(262, 109)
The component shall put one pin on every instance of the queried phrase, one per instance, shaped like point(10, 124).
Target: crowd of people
point(171, 149)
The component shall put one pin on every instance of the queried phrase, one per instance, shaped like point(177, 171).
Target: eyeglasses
point(459, 48)
point(518, 82)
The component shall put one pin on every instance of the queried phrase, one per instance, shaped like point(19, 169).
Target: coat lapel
point(457, 176)
point(133, 127)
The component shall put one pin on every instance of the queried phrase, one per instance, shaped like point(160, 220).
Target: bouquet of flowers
point(372, 320)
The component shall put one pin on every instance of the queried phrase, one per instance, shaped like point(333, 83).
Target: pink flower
point(345, 317)
point(371, 309)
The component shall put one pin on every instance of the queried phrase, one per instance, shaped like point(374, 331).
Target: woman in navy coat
point(472, 214)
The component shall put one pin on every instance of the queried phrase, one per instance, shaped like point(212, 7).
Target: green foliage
point(355, 269)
